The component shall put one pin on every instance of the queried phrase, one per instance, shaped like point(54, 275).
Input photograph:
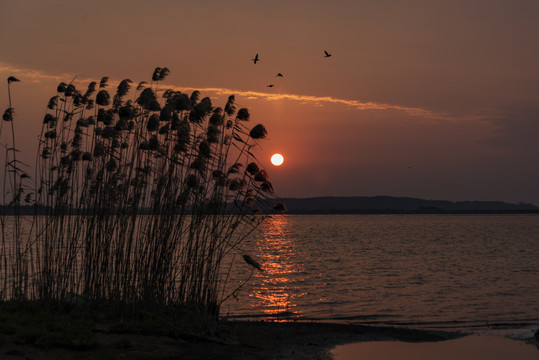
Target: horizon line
point(403, 197)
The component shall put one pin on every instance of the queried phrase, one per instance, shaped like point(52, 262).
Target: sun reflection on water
point(279, 286)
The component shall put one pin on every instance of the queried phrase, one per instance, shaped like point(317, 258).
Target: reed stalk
point(137, 202)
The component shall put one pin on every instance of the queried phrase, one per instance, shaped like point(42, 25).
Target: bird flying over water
point(326, 54)
point(279, 75)
point(271, 85)
point(255, 59)
point(249, 260)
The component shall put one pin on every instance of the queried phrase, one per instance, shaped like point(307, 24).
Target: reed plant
point(14, 252)
point(142, 199)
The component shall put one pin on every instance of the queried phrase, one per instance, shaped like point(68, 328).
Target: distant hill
point(390, 205)
point(360, 205)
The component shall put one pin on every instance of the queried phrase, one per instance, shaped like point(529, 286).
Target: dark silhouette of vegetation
point(399, 205)
point(144, 198)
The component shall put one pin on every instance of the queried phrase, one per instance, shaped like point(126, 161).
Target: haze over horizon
point(426, 99)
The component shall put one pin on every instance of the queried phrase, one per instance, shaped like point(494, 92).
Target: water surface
point(419, 270)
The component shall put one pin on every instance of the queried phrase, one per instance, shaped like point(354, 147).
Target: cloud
point(360, 105)
point(37, 76)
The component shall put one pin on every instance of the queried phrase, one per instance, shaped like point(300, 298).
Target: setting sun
point(277, 159)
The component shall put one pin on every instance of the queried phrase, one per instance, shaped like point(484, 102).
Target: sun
point(277, 159)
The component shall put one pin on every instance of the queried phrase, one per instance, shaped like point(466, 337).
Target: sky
point(422, 98)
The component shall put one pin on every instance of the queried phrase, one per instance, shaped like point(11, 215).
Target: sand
point(474, 347)
point(243, 340)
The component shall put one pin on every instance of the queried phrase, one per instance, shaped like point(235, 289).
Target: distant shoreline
point(411, 212)
point(400, 205)
point(26, 212)
point(30, 211)
point(341, 205)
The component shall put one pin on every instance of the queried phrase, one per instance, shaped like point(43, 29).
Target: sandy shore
point(234, 340)
point(472, 347)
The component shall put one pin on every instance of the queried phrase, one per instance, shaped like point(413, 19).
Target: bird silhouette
point(326, 54)
point(271, 85)
point(256, 59)
point(279, 75)
point(249, 260)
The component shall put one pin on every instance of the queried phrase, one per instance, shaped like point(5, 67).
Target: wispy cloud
point(360, 105)
point(37, 76)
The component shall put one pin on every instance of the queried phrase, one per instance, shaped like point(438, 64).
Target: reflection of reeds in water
point(142, 199)
point(275, 293)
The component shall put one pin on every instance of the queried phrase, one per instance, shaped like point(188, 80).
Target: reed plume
point(140, 201)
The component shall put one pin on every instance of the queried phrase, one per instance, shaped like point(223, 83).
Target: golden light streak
point(277, 293)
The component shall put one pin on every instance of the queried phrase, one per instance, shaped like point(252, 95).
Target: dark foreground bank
point(32, 330)
point(233, 340)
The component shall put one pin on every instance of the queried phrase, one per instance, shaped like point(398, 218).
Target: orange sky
point(430, 99)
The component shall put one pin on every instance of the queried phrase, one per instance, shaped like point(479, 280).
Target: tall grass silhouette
point(142, 201)
point(13, 255)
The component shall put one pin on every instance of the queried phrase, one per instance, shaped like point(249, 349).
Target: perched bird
point(271, 85)
point(279, 75)
point(327, 54)
point(256, 59)
point(12, 79)
point(249, 260)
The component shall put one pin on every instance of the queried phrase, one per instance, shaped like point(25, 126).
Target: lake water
point(438, 271)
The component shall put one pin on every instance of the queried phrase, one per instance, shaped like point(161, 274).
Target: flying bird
point(249, 260)
point(279, 75)
point(271, 85)
point(326, 54)
point(256, 59)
